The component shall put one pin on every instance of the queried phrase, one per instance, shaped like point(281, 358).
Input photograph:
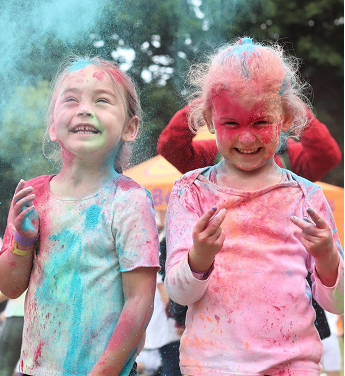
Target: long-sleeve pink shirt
point(253, 315)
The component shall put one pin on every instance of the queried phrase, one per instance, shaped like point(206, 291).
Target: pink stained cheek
point(225, 134)
point(268, 134)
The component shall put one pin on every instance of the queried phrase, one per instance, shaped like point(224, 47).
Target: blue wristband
point(26, 242)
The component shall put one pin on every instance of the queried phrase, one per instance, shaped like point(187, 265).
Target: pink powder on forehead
point(99, 75)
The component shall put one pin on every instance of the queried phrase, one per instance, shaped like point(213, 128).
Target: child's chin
point(249, 168)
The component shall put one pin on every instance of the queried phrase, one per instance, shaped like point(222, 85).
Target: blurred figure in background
point(162, 339)
point(11, 334)
point(331, 358)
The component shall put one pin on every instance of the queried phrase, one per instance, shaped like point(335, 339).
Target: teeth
point(85, 129)
point(248, 151)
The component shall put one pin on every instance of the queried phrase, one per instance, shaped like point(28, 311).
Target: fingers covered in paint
point(208, 239)
point(209, 222)
point(317, 236)
point(24, 214)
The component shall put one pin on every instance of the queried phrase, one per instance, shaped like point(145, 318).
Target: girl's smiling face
point(247, 127)
point(90, 115)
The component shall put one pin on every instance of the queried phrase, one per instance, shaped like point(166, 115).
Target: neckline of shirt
point(78, 198)
point(286, 181)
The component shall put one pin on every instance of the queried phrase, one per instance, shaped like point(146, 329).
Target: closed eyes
point(70, 99)
point(103, 100)
point(261, 122)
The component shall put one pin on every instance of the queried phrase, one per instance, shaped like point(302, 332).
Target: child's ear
point(208, 119)
point(52, 133)
point(130, 130)
point(287, 122)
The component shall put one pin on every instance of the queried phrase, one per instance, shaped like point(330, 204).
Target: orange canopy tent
point(158, 175)
point(335, 198)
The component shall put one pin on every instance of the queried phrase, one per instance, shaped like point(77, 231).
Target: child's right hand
point(208, 239)
point(24, 214)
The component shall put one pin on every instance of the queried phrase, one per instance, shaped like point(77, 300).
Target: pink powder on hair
point(117, 75)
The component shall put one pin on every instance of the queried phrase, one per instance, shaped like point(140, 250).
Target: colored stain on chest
point(92, 217)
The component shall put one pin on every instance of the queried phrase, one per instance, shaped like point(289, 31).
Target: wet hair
point(120, 80)
point(243, 66)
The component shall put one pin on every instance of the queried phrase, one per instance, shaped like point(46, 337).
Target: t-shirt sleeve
point(135, 231)
point(181, 285)
point(8, 237)
point(329, 298)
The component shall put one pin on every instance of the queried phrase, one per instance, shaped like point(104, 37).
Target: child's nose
point(246, 138)
point(85, 110)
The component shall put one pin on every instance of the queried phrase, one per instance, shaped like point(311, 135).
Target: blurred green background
point(155, 42)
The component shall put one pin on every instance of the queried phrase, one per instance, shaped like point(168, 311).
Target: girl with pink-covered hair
point(243, 234)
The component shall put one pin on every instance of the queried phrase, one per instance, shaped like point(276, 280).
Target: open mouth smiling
point(85, 129)
point(248, 151)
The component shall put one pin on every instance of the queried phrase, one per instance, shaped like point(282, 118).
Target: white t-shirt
point(75, 294)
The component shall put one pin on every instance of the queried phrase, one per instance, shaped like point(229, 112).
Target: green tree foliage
point(23, 127)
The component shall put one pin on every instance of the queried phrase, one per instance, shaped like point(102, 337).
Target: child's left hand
point(317, 235)
point(317, 238)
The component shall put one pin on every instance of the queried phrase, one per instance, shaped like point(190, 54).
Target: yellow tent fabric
point(335, 198)
point(157, 175)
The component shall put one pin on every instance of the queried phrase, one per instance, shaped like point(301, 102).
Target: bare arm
point(163, 294)
point(15, 272)
point(139, 288)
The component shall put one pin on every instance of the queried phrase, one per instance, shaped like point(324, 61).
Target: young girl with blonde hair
point(84, 242)
point(243, 234)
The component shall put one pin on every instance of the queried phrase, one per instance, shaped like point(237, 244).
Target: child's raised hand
point(318, 241)
point(208, 239)
point(317, 235)
point(24, 214)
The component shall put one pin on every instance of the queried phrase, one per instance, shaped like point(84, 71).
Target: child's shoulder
point(40, 181)
point(305, 184)
point(312, 192)
point(126, 183)
point(128, 186)
point(189, 177)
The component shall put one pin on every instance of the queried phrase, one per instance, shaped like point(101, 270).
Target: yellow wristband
point(19, 251)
